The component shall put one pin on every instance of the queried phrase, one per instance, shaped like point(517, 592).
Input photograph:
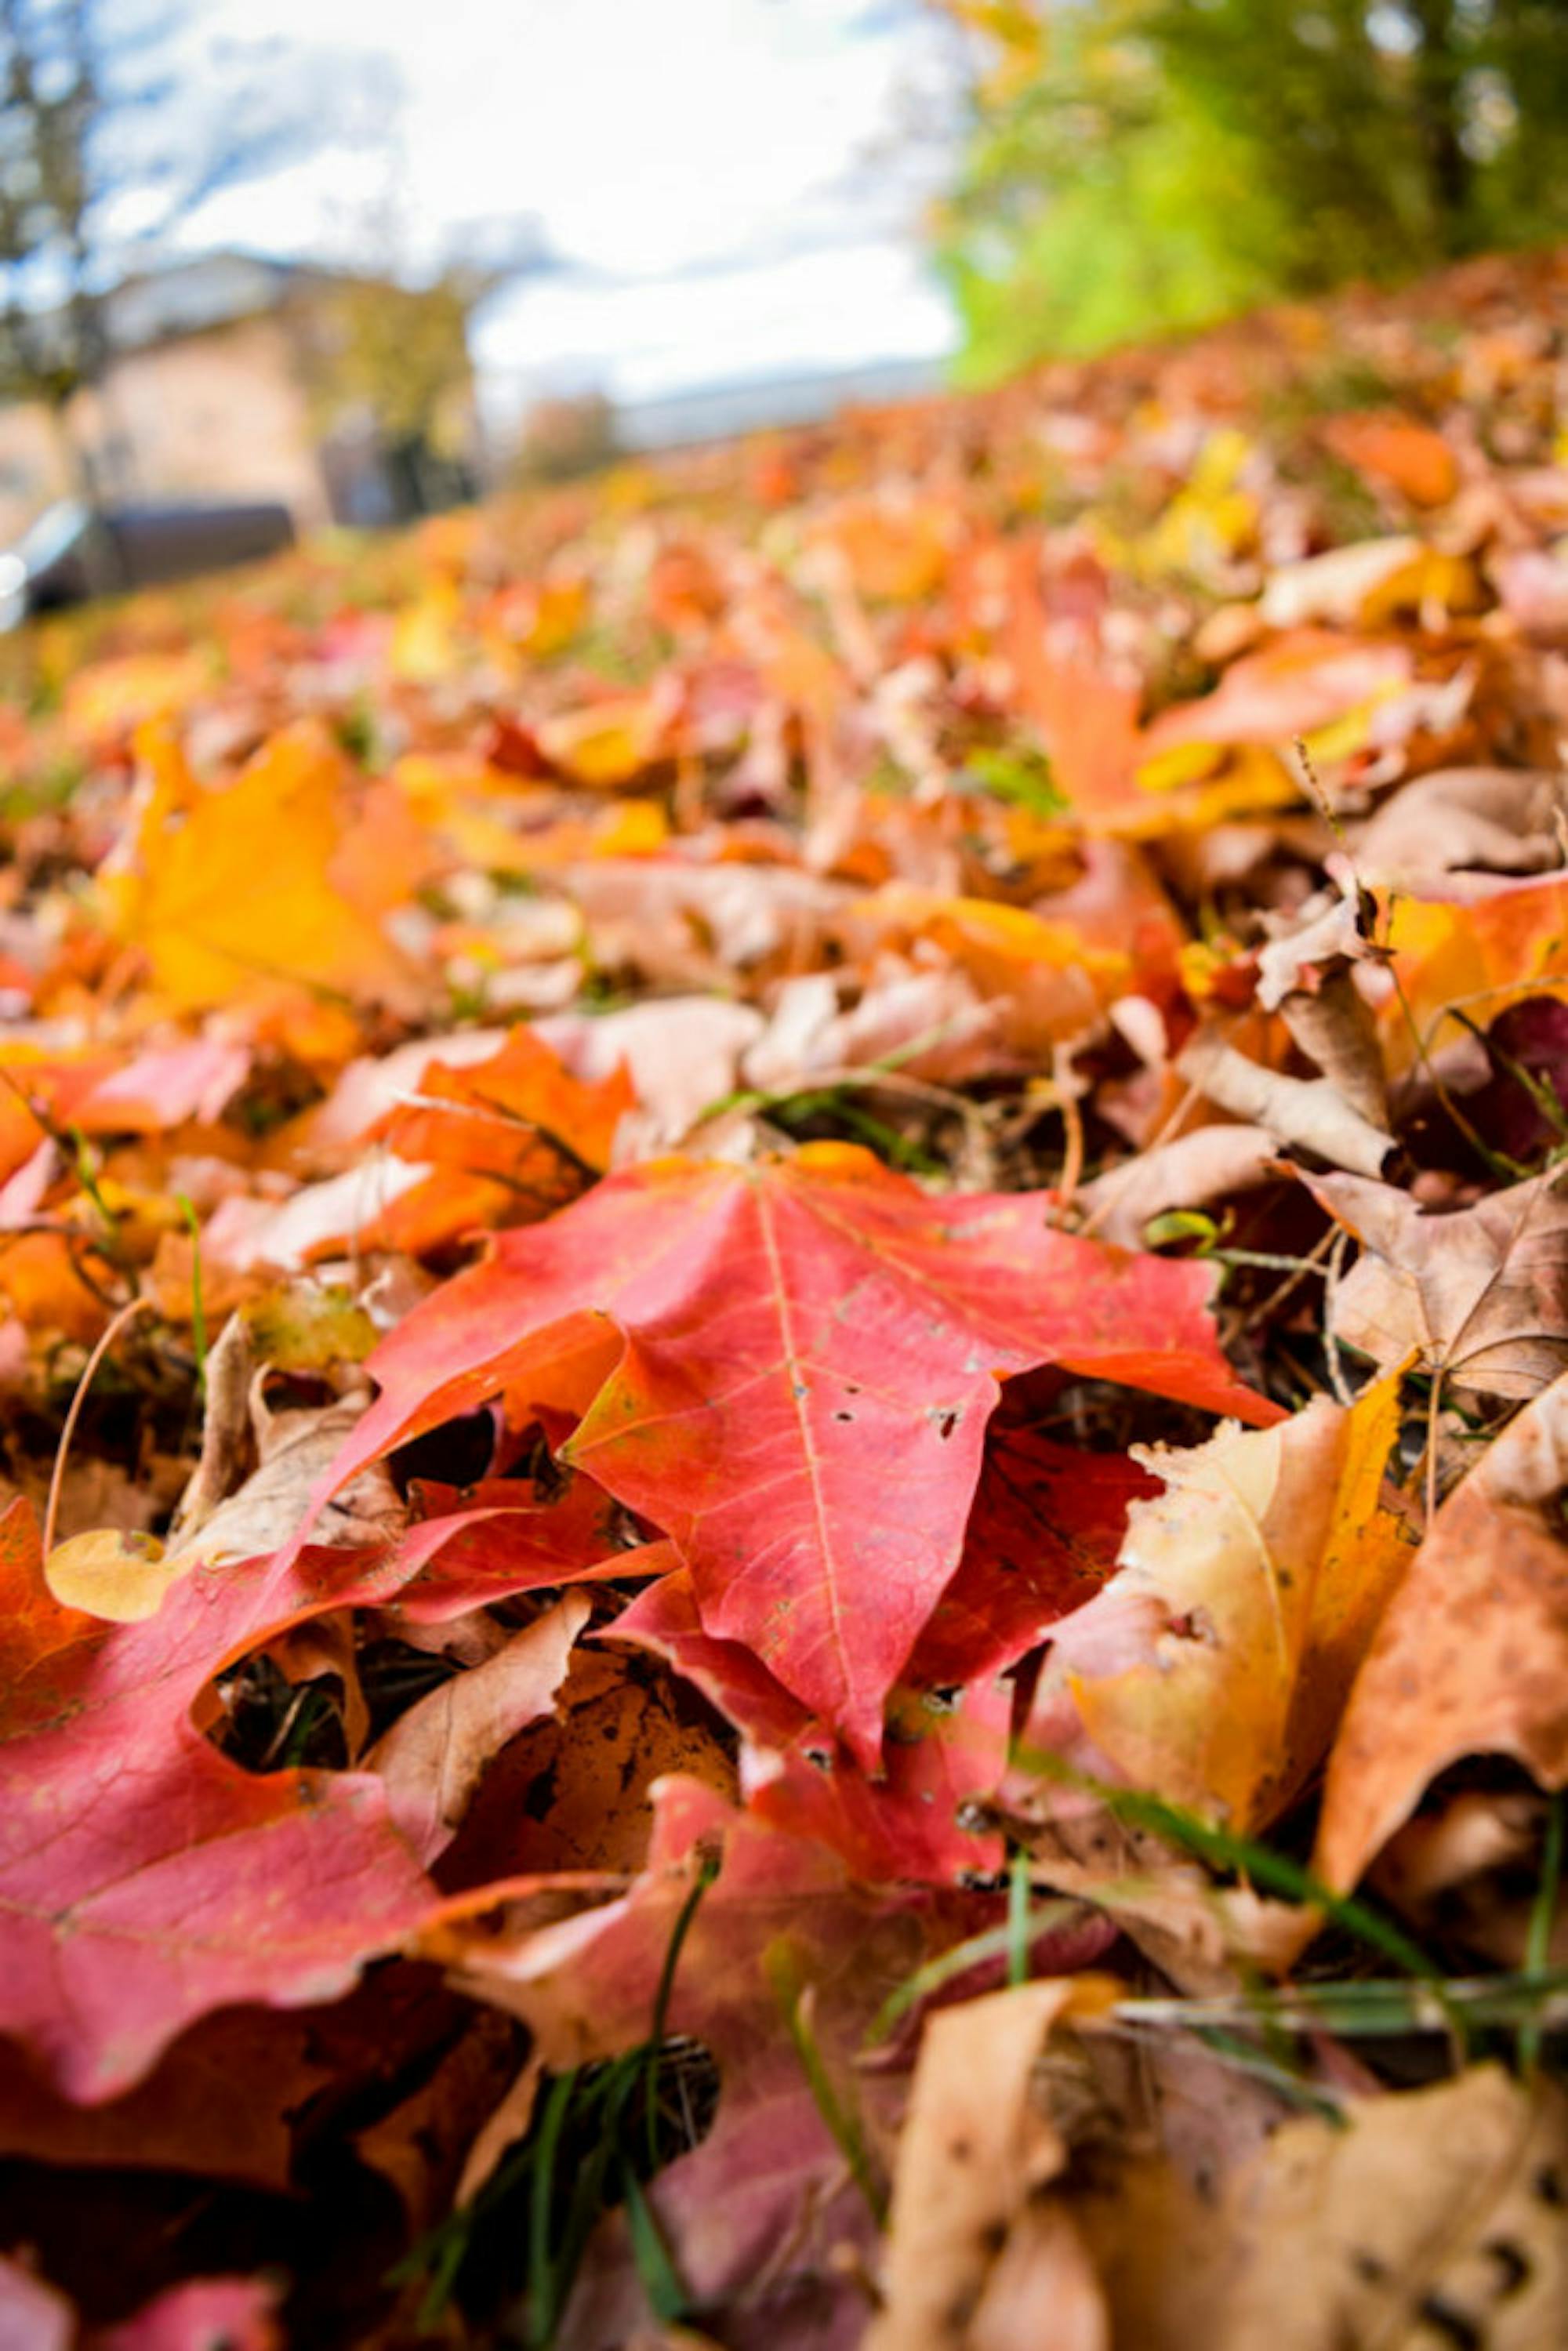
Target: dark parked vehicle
point(73, 552)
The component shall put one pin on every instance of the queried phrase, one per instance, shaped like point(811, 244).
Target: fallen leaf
point(1310, 1113)
point(1464, 819)
point(780, 1907)
point(976, 2253)
point(1433, 2214)
point(147, 1880)
point(124, 1577)
point(237, 898)
point(1306, 680)
point(1212, 1667)
point(240, 2312)
point(434, 1756)
point(1192, 1172)
point(1480, 1295)
point(1471, 1656)
point(1410, 458)
point(32, 2316)
point(859, 1323)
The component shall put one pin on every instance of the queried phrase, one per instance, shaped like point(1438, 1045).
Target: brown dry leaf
point(433, 1758)
point(1327, 934)
point(420, 2147)
point(327, 1648)
point(1334, 1026)
point(1186, 1173)
point(1313, 1114)
point(1307, 975)
point(1472, 1658)
point(296, 1449)
point(975, 2259)
point(509, 2121)
point(1481, 1295)
point(1207, 1938)
point(95, 1493)
point(1213, 1665)
point(1457, 819)
point(1435, 2219)
point(226, 1427)
point(572, 1792)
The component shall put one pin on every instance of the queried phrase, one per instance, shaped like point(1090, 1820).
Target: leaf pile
point(784, 1388)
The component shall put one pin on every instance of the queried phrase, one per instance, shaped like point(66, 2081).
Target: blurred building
point(719, 412)
point(221, 386)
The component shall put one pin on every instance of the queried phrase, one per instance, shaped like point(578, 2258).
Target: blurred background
point(367, 263)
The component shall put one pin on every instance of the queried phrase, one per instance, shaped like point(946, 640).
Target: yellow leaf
point(425, 646)
point(110, 698)
point(235, 899)
point(1252, 1587)
point(112, 1572)
point(609, 743)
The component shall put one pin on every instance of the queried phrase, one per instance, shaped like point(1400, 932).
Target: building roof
point(214, 289)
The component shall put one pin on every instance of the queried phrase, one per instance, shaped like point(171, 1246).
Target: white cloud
point(647, 136)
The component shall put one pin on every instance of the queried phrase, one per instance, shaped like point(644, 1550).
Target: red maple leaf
point(789, 1369)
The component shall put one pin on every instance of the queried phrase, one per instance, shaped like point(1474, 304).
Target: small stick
point(52, 1510)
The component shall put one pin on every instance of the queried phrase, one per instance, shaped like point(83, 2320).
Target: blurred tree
point(397, 355)
point(104, 146)
point(388, 363)
point(50, 93)
point(1135, 165)
point(566, 437)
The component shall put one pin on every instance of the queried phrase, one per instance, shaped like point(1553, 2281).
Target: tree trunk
point(1438, 70)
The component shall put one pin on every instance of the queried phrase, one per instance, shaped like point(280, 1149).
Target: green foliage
point(1144, 166)
point(400, 354)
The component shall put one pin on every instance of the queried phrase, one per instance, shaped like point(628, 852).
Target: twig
point(57, 1481)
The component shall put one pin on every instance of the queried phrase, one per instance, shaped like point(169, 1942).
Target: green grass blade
point(993, 1943)
point(842, 2124)
point(198, 1306)
point(1543, 1918)
point(1018, 1919)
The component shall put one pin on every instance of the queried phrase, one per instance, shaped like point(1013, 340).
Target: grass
point(599, 2133)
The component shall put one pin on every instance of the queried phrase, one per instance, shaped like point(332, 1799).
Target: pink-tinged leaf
point(144, 1879)
point(165, 1088)
point(758, 2220)
point(914, 1825)
point(33, 2316)
point(219, 2314)
point(586, 1985)
point(752, 2214)
point(805, 1358)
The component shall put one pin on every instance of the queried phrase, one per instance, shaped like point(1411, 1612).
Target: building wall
point(216, 414)
point(32, 468)
point(213, 415)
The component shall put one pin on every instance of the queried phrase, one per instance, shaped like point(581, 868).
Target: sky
point(734, 185)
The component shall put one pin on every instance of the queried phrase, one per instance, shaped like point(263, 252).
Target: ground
point(783, 1387)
